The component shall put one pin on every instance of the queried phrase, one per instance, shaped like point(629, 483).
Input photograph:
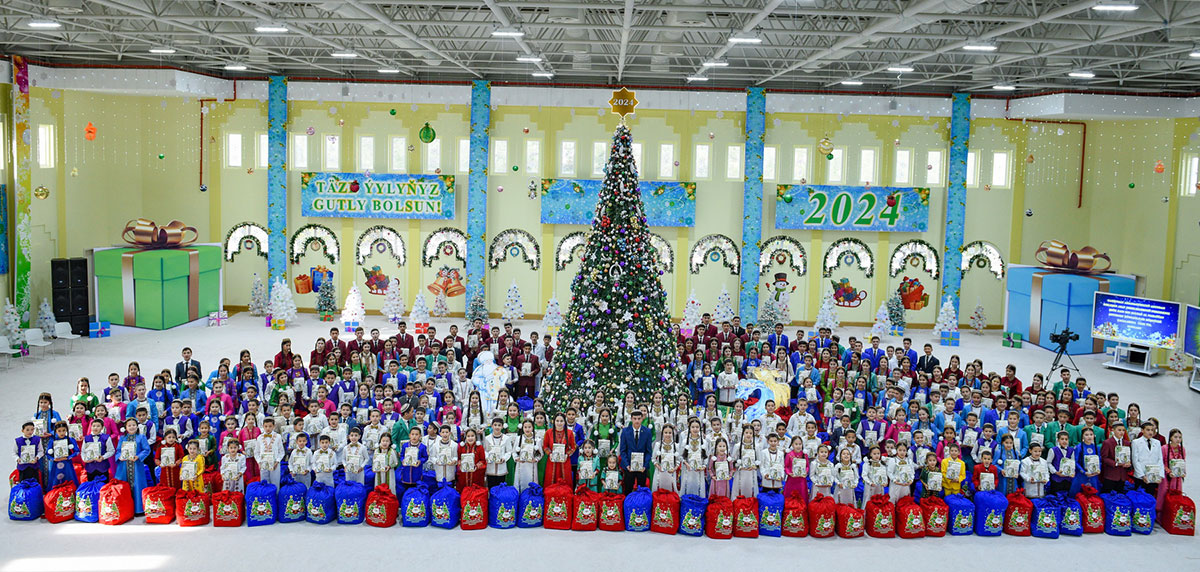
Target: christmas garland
point(783, 249)
point(722, 246)
point(445, 236)
point(505, 241)
point(242, 233)
point(851, 247)
point(382, 237)
point(666, 255)
point(914, 248)
point(566, 248)
point(320, 233)
point(986, 254)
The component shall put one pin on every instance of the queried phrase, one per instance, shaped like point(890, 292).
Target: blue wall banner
point(838, 207)
point(356, 195)
point(573, 201)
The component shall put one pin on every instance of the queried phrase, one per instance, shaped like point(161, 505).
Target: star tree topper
point(623, 102)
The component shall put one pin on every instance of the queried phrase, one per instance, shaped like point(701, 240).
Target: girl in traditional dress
point(558, 444)
point(527, 455)
point(795, 467)
point(745, 479)
point(666, 460)
point(132, 451)
point(720, 469)
point(695, 461)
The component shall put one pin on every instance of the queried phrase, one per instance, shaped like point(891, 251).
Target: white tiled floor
point(84, 547)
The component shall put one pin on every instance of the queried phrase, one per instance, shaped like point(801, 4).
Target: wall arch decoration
point(712, 248)
point(918, 249)
point(666, 255)
point(321, 234)
point(512, 242)
point(565, 251)
point(382, 239)
point(785, 250)
point(244, 236)
point(453, 240)
point(984, 254)
point(853, 251)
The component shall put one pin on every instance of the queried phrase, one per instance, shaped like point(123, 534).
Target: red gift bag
point(1019, 516)
point(116, 503)
point(822, 516)
point(745, 517)
point(60, 503)
point(1178, 515)
point(587, 509)
point(718, 518)
point(612, 512)
point(795, 516)
point(213, 483)
point(559, 507)
point(666, 512)
point(1092, 507)
point(14, 478)
point(382, 507)
point(849, 521)
point(159, 504)
point(474, 503)
point(228, 509)
point(191, 508)
point(911, 519)
point(881, 517)
point(937, 516)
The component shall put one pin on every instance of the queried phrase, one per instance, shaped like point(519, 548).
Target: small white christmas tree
point(513, 308)
point(282, 306)
point(883, 323)
point(258, 297)
point(354, 310)
point(775, 312)
point(420, 310)
point(1178, 361)
point(724, 310)
point(947, 320)
point(553, 317)
point(979, 318)
point(827, 313)
point(691, 313)
point(440, 309)
point(393, 302)
point(46, 318)
point(12, 323)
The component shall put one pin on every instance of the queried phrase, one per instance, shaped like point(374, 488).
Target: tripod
point(1062, 351)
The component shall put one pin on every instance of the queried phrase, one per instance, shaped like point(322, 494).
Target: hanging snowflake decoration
point(451, 238)
point(723, 245)
point(518, 238)
point(380, 238)
point(985, 252)
point(784, 249)
point(242, 232)
point(320, 234)
point(851, 247)
point(914, 248)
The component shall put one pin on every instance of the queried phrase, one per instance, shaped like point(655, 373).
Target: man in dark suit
point(182, 367)
point(635, 440)
point(927, 362)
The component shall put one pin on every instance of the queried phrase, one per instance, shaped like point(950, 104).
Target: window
point(700, 162)
point(933, 169)
point(233, 149)
point(1000, 169)
point(903, 167)
point(1190, 175)
point(599, 158)
point(770, 166)
point(399, 155)
point(972, 169)
point(733, 162)
point(433, 156)
point(636, 151)
point(264, 157)
point(666, 161)
point(799, 164)
point(333, 149)
point(366, 153)
point(533, 156)
point(866, 166)
point(499, 156)
point(464, 155)
point(833, 173)
point(300, 152)
point(566, 159)
point(45, 146)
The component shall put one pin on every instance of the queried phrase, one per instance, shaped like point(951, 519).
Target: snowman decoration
point(776, 308)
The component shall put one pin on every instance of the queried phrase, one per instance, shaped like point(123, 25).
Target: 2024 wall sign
point(841, 207)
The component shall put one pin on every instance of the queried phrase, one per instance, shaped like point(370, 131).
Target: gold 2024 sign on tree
point(617, 336)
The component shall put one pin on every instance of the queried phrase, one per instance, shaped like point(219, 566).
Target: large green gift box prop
point(157, 289)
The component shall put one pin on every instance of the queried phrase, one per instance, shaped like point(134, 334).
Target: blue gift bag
point(1118, 514)
point(444, 507)
point(524, 403)
point(531, 504)
point(1143, 510)
point(637, 510)
point(290, 500)
point(262, 505)
point(87, 500)
point(351, 498)
point(319, 504)
point(1070, 518)
point(962, 515)
point(989, 513)
point(770, 514)
point(414, 506)
point(1045, 518)
point(25, 501)
point(691, 514)
point(502, 506)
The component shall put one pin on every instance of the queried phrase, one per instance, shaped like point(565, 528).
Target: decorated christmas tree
point(827, 313)
point(947, 320)
point(393, 302)
point(12, 322)
point(775, 312)
point(258, 297)
point(513, 308)
point(724, 310)
point(616, 292)
point(691, 313)
point(440, 309)
point(326, 298)
point(979, 318)
point(883, 323)
point(420, 310)
point(282, 307)
point(477, 309)
point(896, 312)
point(46, 319)
point(1178, 361)
point(354, 311)
point(553, 318)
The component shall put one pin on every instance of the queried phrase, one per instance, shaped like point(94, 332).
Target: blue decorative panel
point(956, 199)
point(756, 129)
point(379, 195)
point(573, 201)
point(277, 116)
point(477, 181)
point(841, 207)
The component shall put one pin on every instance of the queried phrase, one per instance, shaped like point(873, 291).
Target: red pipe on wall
point(1082, 150)
point(202, 102)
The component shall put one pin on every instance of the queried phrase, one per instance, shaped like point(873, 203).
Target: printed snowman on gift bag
point(532, 514)
point(154, 508)
point(914, 523)
point(609, 515)
point(558, 511)
point(586, 514)
point(1070, 518)
point(1121, 519)
point(770, 520)
point(293, 508)
point(506, 516)
point(691, 523)
point(193, 510)
point(348, 510)
point(1095, 516)
point(83, 507)
point(994, 521)
point(260, 511)
point(825, 526)
point(316, 511)
point(441, 513)
point(724, 523)
point(226, 511)
point(638, 520)
point(472, 514)
point(64, 506)
point(883, 522)
point(415, 510)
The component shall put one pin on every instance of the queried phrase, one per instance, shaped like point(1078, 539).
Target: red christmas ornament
point(354, 186)
point(605, 221)
point(891, 200)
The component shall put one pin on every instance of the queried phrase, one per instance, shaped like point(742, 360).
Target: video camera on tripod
point(1061, 339)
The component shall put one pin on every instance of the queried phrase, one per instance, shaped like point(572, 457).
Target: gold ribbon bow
point(146, 234)
point(1055, 254)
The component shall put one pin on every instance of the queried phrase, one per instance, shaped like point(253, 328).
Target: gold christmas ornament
point(41, 192)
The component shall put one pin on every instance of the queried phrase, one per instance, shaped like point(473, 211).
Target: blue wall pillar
point(477, 183)
point(756, 127)
point(277, 116)
point(956, 199)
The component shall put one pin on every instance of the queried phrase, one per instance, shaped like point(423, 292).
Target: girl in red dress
point(558, 465)
point(471, 455)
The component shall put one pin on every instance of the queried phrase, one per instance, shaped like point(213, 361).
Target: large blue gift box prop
point(1042, 301)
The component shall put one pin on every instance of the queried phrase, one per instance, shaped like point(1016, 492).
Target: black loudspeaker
point(78, 272)
point(79, 301)
point(79, 325)
point(62, 303)
point(60, 273)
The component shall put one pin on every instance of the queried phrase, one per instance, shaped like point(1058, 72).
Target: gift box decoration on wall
point(318, 274)
point(99, 330)
point(377, 281)
point(162, 282)
point(846, 295)
point(303, 284)
point(912, 294)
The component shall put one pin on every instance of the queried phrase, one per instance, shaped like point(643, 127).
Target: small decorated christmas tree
point(883, 323)
point(12, 322)
point(553, 318)
point(827, 313)
point(477, 309)
point(326, 300)
point(46, 319)
point(420, 310)
point(393, 302)
point(282, 306)
point(896, 313)
point(691, 313)
point(354, 312)
point(979, 318)
point(1178, 361)
point(258, 297)
point(724, 310)
point(947, 320)
point(774, 312)
point(440, 309)
point(513, 308)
